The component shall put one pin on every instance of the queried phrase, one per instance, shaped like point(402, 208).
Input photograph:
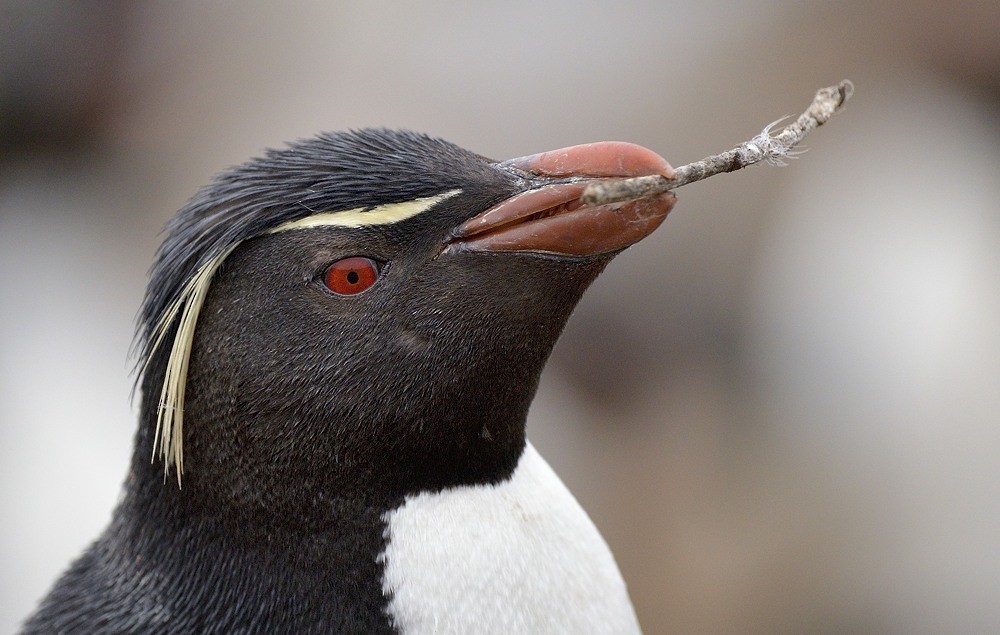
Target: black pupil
point(353, 277)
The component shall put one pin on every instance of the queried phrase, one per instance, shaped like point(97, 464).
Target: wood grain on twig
point(764, 147)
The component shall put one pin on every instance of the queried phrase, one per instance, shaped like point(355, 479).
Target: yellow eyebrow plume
point(169, 435)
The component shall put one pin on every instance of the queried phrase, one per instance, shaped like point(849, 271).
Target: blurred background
point(781, 409)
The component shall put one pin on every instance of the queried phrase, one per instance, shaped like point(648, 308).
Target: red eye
point(351, 275)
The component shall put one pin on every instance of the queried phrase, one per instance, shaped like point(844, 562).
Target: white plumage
point(521, 556)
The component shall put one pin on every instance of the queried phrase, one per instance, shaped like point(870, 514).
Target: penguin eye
point(351, 275)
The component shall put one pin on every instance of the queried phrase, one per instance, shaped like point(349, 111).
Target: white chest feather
point(518, 557)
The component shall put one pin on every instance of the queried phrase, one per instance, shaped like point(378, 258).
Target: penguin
point(338, 347)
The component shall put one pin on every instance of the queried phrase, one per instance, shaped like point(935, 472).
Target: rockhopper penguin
point(340, 342)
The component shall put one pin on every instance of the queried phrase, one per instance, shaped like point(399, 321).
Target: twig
point(764, 147)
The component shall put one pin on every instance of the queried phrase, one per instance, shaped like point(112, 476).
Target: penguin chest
point(520, 556)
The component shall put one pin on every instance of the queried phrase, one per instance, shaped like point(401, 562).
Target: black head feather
point(327, 173)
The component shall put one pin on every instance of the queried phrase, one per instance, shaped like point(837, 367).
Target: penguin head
point(368, 313)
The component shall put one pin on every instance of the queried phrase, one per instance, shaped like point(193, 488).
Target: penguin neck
point(236, 486)
point(288, 532)
point(278, 569)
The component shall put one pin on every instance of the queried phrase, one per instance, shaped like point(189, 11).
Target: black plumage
point(330, 172)
point(308, 416)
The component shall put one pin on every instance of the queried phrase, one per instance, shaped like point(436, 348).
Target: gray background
point(781, 409)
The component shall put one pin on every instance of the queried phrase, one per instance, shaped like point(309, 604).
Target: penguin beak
point(551, 219)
